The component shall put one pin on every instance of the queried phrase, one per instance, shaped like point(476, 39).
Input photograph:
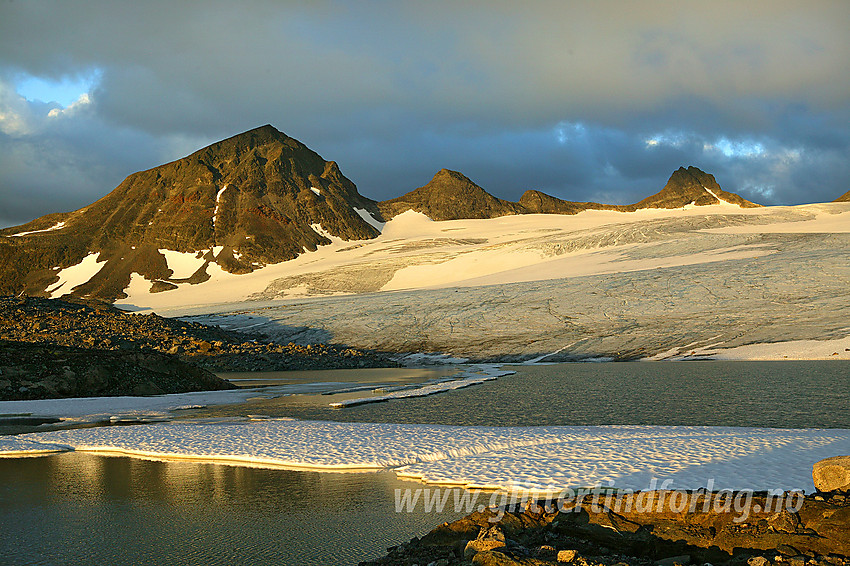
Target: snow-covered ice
point(836, 349)
point(427, 253)
point(544, 459)
point(75, 275)
point(607, 282)
point(475, 376)
point(95, 409)
point(16, 447)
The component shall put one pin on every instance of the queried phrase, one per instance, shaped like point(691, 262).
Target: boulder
point(832, 474)
point(488, 539)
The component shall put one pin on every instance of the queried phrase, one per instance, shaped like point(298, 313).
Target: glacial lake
point(78, 508)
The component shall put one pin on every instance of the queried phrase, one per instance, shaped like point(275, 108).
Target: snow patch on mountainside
point(371, 220)
point(57, 226)
point(320, 230)
point(75, 275)
point(724, 203)
point(182, 264)
point(217, 198)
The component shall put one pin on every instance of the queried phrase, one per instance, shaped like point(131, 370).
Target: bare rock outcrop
point(832, 474)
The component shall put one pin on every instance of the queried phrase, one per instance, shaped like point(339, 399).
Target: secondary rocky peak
point(694, 187)
point(450, 195)
point(537, 202)
point(843, 198)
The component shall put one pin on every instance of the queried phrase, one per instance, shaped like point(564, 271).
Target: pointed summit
point(843, 198)
point(256, 198)
point(693, 187)
point(450, 196)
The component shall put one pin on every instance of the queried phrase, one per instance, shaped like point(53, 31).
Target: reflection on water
point(84, 509)
point(376, 376)
point(786, 394)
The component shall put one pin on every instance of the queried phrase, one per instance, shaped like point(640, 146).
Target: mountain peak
point(255, 198)
point(445, 174)
point(450, 195)
point(692, 187)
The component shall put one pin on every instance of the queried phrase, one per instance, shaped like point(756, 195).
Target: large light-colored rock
point(832, 474)
point(488, 539)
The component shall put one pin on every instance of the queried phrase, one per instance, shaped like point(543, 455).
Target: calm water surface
point(785, 394)
point(80, 509)
point(85, 509)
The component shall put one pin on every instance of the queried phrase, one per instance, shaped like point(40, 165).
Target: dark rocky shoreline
point(52, 348)
point(537, 533)
point(47, 371)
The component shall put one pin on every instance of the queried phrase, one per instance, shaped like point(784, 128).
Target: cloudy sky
point(588, 100)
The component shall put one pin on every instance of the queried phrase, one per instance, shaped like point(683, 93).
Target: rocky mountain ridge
point(452, 196)
point(257, 198)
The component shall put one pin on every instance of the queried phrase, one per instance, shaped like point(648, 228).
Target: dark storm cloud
point(596, 100)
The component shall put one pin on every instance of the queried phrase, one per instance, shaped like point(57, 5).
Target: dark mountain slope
point(243, 202)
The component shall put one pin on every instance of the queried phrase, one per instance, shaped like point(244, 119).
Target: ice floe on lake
point(535, 458)
point(97, 409)
point(475, 376)
point(17, 447)
point(158, 407)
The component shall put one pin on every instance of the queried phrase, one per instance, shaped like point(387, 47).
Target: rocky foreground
point(35, 371)
point(644, 529)
point(52, 348)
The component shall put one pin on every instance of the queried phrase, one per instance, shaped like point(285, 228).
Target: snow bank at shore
point(837, 349)
point(535, 458)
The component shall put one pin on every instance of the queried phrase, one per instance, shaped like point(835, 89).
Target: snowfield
point(696, 282)
point(543, 459)
point(466, 252)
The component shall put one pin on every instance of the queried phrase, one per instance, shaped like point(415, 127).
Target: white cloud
point(16, 115)
point(83, 102)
